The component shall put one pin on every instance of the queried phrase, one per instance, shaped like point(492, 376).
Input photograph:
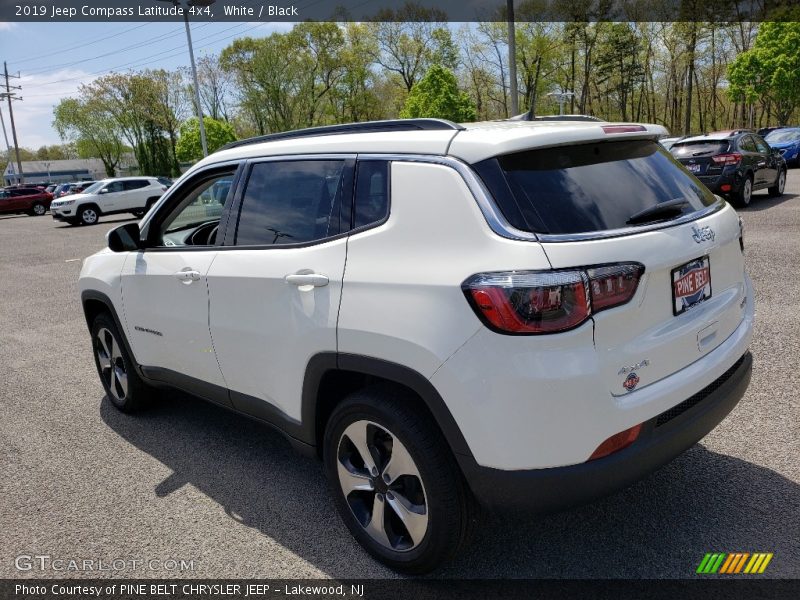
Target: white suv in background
point(500, 314)
point(133, 195)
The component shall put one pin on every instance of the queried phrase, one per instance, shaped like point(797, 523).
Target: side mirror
point(125, 238)
point(103, 191)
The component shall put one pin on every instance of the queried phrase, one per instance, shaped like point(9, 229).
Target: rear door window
point(135, 184)
point(291, 202)
point(589, 187)
point(747, 144)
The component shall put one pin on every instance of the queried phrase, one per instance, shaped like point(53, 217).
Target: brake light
point(732, 158)
point(537, 302)
point(623, 128)
point(617, 442)
point(614, 284)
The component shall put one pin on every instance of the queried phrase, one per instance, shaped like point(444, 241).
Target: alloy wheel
point(781, 182)
point(747, 191)
point(89, 216)
point(112, 365)
point(382, 485)
point(39, 209)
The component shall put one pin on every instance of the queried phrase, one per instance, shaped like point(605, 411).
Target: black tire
point(744, 195)
point(780, 184)
point(448, 507)
point(38, 209)
point(114, 363)
point(88, 214)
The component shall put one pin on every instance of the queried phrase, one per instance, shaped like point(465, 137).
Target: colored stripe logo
point(734, 563)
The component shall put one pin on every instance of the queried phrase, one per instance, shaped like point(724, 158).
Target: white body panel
point(156, 300)
point(265, 329)
point(535, 402)
point(645, 328)
point(402, 299)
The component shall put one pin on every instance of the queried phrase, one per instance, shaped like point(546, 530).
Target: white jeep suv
point(506, 314)
point(133, 195)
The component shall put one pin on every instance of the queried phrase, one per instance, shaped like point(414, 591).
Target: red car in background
point(30, 200)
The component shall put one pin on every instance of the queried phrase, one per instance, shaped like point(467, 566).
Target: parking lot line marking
point(72, 259)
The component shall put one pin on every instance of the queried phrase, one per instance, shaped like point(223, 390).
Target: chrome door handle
point(188, 275)
point(312, 279)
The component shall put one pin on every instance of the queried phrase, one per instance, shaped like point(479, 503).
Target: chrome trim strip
point(497, 222)
point(503, 228)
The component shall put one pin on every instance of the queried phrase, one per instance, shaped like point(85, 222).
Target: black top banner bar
point(396, 10)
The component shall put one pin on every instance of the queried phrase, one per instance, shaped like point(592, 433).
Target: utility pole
point(512, 59)
point(9, 97)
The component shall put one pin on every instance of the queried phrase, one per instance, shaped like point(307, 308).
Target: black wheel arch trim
point(95, 296)
point(321, 364)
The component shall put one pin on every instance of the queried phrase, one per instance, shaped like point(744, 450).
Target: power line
point(62, 50)
point(134, 64)
point(159, 38)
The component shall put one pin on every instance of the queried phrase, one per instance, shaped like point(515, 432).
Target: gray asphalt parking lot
point(189, 481)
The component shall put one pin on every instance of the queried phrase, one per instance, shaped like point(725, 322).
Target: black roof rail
point(364, 127)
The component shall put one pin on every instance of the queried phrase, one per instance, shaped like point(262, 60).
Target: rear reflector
point(617, 442)
point(623, 128)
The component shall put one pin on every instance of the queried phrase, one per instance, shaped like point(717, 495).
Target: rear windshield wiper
point(659, 212)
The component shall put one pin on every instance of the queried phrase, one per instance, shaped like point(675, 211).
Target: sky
point(54, 59)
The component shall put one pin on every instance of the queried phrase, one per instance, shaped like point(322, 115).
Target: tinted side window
point(114, 186)
point(291, 202)
point(761, 145)
point(372, 192)
point(135, 184)
point(746, 144)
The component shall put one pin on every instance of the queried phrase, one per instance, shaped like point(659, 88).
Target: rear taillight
point(732, 158)
point(536, 302)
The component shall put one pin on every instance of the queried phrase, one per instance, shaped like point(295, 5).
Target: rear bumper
point(662, 438)
point(716, 182)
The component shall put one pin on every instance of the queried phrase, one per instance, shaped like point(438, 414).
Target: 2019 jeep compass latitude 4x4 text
point(498, 314)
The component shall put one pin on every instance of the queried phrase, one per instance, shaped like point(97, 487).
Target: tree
point(189, 147)
point(437, 96)
point(770, 70)
point(94, 132)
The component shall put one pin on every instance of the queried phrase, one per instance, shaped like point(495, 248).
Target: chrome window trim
point(498, 223)
point(495, 219)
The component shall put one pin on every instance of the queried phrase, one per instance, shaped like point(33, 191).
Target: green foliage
point(437, 95)
point(94, 132)
point(189, 147)
point(770, 70)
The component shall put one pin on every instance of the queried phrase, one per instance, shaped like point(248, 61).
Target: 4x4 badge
point(700, 234)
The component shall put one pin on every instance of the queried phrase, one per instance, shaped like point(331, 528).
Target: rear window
point(700, 148)
point(590, 187)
